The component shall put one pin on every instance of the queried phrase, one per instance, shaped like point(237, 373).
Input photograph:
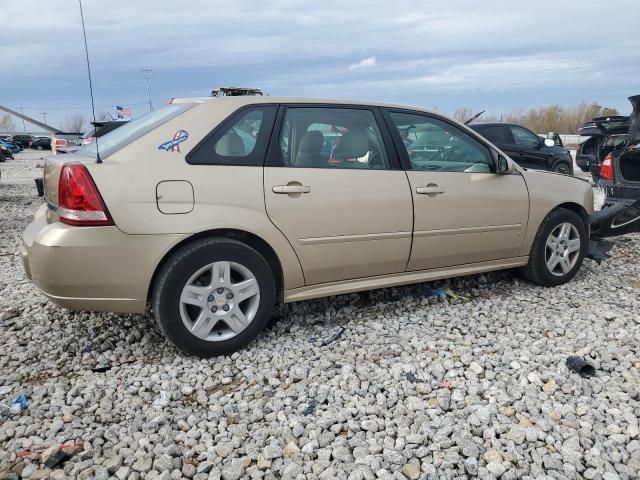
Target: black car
point(526, 148)
point(41, 143)
point(23, 140)
point(606, 135)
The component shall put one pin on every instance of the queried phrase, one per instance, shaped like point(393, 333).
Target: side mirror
point(549, 142)
point(502, 165)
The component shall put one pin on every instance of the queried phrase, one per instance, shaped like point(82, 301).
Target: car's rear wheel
point(563, 168)
point(558, 250)
point(214, 296)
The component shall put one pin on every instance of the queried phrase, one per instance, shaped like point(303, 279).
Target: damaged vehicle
point(619, 177)
point(215, 209)
point(607, 135)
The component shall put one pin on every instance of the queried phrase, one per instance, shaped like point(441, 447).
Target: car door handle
point(430, 189)
point(289, 189)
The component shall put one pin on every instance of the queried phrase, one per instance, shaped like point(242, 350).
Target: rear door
point(464, 212)
point(336, 191)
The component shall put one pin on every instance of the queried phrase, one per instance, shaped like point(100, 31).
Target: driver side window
point(524, 137)
point(435, 145)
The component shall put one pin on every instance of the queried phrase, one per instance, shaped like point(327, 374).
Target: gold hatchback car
point(214, 209)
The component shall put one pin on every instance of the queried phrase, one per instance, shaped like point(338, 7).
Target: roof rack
point(235, 92)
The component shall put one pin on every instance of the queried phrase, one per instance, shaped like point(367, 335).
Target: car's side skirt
point(394, 280)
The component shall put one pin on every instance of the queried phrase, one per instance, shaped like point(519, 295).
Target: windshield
point(122, 136)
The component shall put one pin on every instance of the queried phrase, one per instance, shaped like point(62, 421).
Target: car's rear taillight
point(79, 201)
point(88, 141)
point(606, 168)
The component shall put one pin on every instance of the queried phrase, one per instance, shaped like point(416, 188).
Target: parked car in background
point(526, 148)
point(213, 228)
point(23, 139)
point(6, 153)
point(41, 143)
point(101, 128)
point(11, 146)
point(606, 135)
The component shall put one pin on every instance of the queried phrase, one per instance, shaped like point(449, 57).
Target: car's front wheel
point(214, 296)
point(563, 167)
point(558, 249)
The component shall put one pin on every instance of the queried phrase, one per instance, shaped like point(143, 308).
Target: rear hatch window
point(122, 136)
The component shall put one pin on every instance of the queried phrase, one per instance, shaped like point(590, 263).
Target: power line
point(146, 72)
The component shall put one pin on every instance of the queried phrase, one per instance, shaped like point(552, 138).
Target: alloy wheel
point(219, 301)
point(562, 249)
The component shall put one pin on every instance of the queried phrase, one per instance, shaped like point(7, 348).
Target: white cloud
point(364, 63)
point(434, 54)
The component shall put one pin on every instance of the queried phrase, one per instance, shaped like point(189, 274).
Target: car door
point(463, 212)
point(337, 192)
point(531, 150)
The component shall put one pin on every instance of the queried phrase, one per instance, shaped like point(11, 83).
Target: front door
point(464, 212)
point(337, 193)
point(531, 151)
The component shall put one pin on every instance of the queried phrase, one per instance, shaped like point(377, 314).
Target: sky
point(497, 55)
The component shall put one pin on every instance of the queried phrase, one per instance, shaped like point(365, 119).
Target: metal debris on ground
point(411, 377)
point(19, 404)
point(581, 366)
point(334, 337)
point(101, 368)
point(598, 250)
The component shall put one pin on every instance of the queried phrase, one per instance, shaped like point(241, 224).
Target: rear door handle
point(430, 189)
point(289, 189)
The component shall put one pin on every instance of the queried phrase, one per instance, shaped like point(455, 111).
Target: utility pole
point(146, 72)
point(44, 115)
point(24, 127)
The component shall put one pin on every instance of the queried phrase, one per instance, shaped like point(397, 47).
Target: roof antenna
point(86, 51)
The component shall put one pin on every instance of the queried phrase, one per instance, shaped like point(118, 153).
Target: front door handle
point(431, 189)
point(291, 188)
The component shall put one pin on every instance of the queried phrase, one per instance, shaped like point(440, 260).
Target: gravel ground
point(415, 387)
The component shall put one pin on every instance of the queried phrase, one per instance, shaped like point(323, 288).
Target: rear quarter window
point(240, 140)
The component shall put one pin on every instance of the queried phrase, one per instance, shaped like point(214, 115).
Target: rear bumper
point(92, 268)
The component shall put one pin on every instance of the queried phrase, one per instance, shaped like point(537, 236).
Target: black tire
point(181, 266)
point(563, 167)
point(536, 270)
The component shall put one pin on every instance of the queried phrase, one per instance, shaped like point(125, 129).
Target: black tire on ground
point(536, 270)
point(181, 266)
point(563, 167)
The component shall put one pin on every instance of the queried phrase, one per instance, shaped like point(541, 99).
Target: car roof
point(254, 99)
point(492, 124)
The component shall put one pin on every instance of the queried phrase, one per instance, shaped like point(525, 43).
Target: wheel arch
point(576, 208)
point(243, 236)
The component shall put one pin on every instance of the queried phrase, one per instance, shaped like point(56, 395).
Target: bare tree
point(551, 118)
point(463, 114)
point(74, 123)
point(6, 123)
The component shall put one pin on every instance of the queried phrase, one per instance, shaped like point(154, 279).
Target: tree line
point(552, 118)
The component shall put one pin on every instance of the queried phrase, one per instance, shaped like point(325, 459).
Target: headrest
point(230, 145)
point(311, 142)
point(352, 145)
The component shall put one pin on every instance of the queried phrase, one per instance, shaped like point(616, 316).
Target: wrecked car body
point(620, 180)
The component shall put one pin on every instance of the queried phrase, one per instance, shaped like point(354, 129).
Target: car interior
point(435, 145)
point(332, 138)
